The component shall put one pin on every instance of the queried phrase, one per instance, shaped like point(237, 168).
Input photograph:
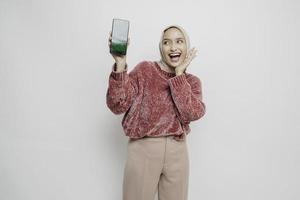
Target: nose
point(173, 47)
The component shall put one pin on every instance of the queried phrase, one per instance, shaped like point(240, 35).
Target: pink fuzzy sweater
point(155, 102)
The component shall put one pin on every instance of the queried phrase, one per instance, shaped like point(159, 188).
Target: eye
point(180, 41)
point(165, 42)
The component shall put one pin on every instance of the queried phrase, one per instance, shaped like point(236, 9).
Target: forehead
point(173, 33)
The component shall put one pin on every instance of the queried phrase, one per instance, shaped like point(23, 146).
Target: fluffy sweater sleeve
point(187, 95)
point(122, 90)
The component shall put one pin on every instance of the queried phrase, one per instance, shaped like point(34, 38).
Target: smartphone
point(119, 40)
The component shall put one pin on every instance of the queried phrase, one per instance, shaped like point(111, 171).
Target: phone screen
point(120, 28)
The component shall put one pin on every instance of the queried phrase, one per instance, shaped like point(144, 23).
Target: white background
point(58, 139)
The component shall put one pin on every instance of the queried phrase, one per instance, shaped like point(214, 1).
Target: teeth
point(174, 54)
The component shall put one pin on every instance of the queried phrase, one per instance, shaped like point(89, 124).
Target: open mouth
point(174, 57)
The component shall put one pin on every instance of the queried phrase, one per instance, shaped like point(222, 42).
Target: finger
point(196, 51)
point(110, 36)
point(193, 50)
point(193, 57)
point(193, 53)
point(189, 54)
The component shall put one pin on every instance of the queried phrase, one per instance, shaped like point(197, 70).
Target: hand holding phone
point(119, 41)
point(119, 37)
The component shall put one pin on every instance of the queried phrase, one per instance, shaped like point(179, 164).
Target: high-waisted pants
point(156, 164)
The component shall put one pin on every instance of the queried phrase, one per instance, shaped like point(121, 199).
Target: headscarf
point(187, 40)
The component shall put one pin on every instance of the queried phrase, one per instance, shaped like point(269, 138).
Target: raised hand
point(120, 60)
point(188, 59)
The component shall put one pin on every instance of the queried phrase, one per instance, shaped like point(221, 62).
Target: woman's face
point(174, 47)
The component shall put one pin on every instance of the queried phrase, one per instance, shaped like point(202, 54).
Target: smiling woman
point(174, 48)
point(159, 100)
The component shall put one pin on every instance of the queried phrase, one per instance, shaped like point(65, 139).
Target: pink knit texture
point(155, 102)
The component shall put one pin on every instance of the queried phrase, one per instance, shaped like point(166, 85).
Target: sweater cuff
point(118, 75)
point(178, 81)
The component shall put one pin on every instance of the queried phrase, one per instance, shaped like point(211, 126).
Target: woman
point(159, 100)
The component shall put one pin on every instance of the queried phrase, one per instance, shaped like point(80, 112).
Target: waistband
point(156, 137)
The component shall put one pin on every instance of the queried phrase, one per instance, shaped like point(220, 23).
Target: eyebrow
point(171, 39)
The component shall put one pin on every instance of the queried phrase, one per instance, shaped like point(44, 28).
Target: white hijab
point(187, 40)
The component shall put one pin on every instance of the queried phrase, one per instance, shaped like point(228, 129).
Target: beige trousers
point(154, 165)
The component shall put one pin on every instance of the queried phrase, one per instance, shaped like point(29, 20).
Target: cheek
point(165, 51)
point(184, 49)
point(184, 54)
